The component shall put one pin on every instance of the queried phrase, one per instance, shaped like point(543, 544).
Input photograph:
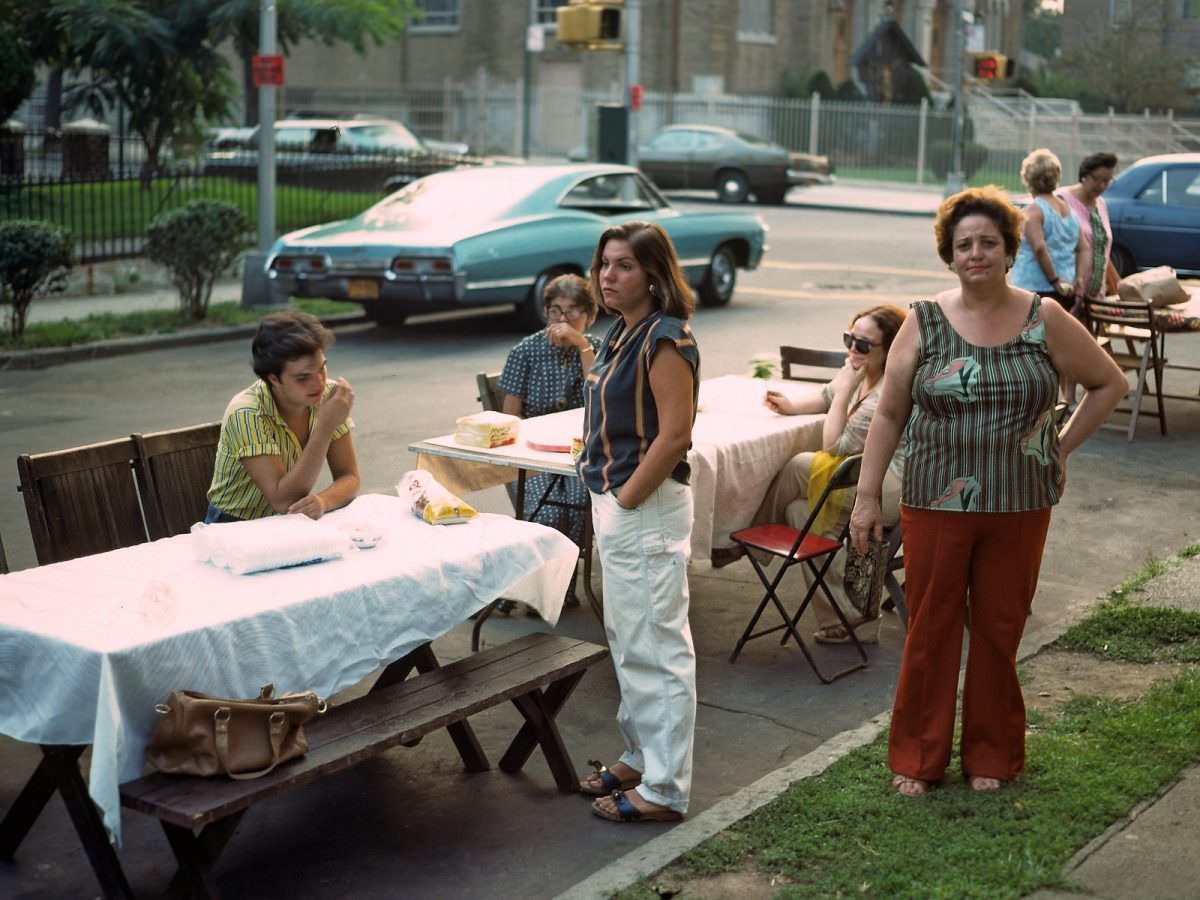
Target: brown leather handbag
point(202, 735)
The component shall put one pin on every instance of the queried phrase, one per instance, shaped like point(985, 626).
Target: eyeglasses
point(862, 345)
point(557, 313)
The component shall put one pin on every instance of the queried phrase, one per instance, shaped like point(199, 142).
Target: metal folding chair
point(796, 547)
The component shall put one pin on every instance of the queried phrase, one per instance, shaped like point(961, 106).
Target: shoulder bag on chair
point(202, 735)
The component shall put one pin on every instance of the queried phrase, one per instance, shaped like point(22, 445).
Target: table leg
point(196, 855)
point(589, 542)
point(29, 805)
point(64, 768)
point(463, 735)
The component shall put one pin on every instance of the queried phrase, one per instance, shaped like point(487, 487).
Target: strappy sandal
point(837, 634)
point(907, 786)
point(627, 812)
point(602, 782)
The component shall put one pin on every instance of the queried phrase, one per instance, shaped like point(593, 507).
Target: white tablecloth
point(89, 646)
point(738, 446)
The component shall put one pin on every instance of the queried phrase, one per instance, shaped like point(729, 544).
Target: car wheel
point(732, 186)
point(720, 278)
point(382, 314)
point(774, 196)
point(531, 313)
point(1122, 261)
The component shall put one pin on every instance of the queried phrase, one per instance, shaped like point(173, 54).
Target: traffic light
point(592, 26)
point(991, 65)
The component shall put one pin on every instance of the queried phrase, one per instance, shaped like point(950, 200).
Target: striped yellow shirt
point(252, 426)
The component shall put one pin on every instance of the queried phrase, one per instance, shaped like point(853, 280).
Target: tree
point(158, 58)
point(196, 244)
point(1042, 33)
point(16, 74)
point(328, 21)
point(1129, 61)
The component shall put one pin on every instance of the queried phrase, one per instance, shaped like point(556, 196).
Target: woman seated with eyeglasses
point(544, 374)
point(849, 403)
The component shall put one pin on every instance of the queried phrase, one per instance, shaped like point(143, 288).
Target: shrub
point(196, 243)
point(941, 157)
point(34, 259)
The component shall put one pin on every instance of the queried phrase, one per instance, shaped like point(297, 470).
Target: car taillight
point(316, 263)
point(441, 265)
point(403, 265)
point(284, 263)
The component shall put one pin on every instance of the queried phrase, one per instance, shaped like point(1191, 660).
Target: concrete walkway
point(1150, 854)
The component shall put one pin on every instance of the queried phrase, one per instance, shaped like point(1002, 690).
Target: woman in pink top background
point(1087, 205)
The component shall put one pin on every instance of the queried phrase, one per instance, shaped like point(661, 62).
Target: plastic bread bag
point(431, 501)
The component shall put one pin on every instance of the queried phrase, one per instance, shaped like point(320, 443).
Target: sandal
point(837, 634)
point(627, 812)
point(602, 782)
point(907, 786)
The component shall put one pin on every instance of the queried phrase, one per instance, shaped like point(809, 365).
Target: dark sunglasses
point(862, 345)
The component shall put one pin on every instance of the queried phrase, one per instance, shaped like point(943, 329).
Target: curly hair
point(988, 201)
point(1102, 160)
point(1040, 171)
point(574, 288)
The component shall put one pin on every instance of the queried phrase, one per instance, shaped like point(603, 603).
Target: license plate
point(362, 288)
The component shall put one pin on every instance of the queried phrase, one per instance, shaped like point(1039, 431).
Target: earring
point(1008, 263)
point(650, 288)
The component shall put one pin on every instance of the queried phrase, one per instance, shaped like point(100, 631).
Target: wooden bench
point(537, 673)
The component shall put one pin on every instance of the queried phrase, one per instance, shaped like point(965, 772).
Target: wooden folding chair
point(799, 361)
point(489, 391)
point(174, 470)
point(1134, 326)
point(895, 563)
point(794, 547)
point(82, 500)
point(3, 559)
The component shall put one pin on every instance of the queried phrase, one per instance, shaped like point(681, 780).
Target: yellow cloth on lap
point(830, 518)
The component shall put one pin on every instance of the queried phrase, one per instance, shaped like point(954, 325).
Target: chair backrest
point(489, 392)
point(3, 559)
point(844, 476)
point(82, 500)
point(174, 470)
point(799, 361)
point(1112, 318)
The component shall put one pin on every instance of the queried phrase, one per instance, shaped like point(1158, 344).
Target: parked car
point(734, 164)
point(481, 237)
point(365, 154)
point(1154, 206)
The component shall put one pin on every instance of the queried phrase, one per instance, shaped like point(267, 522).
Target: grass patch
point(99, 211)
point(846, 832)
point(106, 326)
point(908, 175)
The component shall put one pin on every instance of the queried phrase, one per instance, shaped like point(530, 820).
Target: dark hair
point(655, 253)
point(987, 201)
point(888, 319)
point(1102, 160)
point(284, 336)
point(574, 288)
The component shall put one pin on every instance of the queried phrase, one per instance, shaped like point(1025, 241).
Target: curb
point(42, 358)
point(874, 210)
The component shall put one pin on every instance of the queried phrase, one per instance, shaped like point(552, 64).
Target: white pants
point(644, 556)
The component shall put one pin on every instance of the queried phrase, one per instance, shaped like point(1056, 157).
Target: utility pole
point(266, 134)
point(632, 74)
point(955, 180)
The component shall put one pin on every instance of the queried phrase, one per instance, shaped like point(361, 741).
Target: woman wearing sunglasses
point(849, 402)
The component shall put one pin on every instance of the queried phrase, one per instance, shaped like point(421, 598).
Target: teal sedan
point(482, 237)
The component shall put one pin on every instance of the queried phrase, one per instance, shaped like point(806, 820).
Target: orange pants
point(992, 559)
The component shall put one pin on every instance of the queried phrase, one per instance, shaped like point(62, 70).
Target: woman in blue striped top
point(640, 402)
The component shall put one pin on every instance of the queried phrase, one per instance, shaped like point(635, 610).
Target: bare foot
point(910, 787)
point(984, 784)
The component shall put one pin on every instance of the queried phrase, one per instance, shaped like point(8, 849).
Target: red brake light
point(285, 263)
point(316, 262)
point(441, 265)
point(403, 265)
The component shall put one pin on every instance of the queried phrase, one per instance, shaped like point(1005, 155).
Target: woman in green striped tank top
point(971, 381)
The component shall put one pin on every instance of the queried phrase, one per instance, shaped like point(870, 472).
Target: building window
point(543, 12)
point(436, 15)
point(756, 21)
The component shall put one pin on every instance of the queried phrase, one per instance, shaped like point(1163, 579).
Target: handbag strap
point(277, 730)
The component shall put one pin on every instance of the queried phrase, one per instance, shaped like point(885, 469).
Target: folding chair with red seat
point(796, 547)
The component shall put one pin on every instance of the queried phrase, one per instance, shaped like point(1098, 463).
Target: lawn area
point(105, 326)
point(1090, 761)
point(108, 210)
point(908, 175)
